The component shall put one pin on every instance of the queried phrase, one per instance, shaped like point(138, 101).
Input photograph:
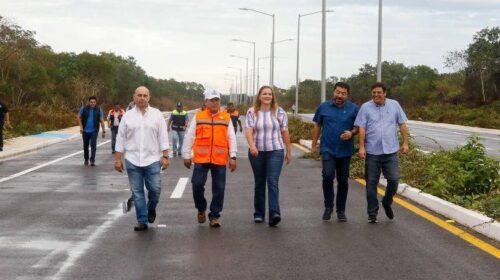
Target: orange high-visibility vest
point(211, 144)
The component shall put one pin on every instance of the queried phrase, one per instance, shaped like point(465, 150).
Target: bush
point(299, 129)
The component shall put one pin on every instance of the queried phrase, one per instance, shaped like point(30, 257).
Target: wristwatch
point(233, 158)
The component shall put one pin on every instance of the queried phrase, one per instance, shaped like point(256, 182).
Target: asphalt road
point(431, 138)
point(64, 221)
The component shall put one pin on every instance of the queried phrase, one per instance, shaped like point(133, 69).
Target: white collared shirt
point(142, 138)
point(190, 135)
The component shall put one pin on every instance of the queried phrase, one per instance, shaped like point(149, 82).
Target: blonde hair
point(257, 104)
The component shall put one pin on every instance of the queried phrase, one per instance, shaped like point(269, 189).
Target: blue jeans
point(332, 165)
point(89, 138)
point(177, 139)
point(114, 132)
point(389, 165)
point(138, 177)
point(199, 179)
point(267, 168)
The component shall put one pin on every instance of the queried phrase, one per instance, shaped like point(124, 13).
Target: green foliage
point(299, 129)
point(466, 171)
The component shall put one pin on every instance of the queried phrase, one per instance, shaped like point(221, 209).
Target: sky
point(191, 40)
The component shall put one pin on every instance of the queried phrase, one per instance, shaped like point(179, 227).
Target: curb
point(34, 147)
point(472, 219)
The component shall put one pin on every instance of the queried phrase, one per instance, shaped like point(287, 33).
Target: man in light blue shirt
point(378, 121)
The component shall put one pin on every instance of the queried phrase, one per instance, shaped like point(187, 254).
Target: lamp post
point(241, 89)
point(271, 78)
point(253, 74)
point(258, 69)
point(234, 79)
point(379, 49)
point(246, 77)
point(298, 51)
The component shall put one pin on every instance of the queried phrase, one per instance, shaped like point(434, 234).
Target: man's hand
point(346, 135)
point(119, 166)
point(314, 151)
point(103, 134)
point(164, 163)
point(362, 153)
point(404, 149)
point(232, 165)
point(187, 163)
point(241, 129)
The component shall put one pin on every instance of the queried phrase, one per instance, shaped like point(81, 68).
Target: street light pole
point(379, 50)
point(323, 52)
point(247, 77)
point(297, 82)
point(241, 89)
point(271, 79)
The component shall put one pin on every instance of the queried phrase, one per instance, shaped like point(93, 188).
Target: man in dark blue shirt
point(89, 119)
point(334, 119)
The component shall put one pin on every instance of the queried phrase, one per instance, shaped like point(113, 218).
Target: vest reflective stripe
point(178, 120)
point(211, 144)
point(111, 114)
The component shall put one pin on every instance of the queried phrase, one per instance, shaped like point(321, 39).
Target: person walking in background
point(4, 119)
point(267, 135)
point(235, 116)
point(114, 117)
point(334, 120)
point(177, 123)
point(89, 119)
point(378, 121)
point(210, 137)
point(143, 140)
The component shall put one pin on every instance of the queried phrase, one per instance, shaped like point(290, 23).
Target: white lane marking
point(454, 132)
point(43, 165)
point(179, 189)
point(75, 252)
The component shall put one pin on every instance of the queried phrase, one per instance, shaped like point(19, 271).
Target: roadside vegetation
point(465, 176)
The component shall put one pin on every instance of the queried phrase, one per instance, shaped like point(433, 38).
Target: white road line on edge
point(179, 188)
point(43, 165)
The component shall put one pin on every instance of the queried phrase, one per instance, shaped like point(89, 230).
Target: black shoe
point(141, 227)
point(274, 220)
point(372, 219)
point(130, 202)
point(151, 215)
point(388, 211)
point(86, 163)
point(113, 152)
point(92, 163)
point(341, 217)
point(327, 214)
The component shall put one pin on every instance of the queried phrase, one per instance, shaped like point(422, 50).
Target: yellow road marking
point(305, 150)
point(488, 248)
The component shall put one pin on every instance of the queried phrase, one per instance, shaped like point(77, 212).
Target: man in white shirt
point(210, 142)
point(143, 138)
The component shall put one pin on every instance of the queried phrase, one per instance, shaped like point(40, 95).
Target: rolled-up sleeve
point(121, 137)
point(249, 119)
point(187, 146)
point(163, 135)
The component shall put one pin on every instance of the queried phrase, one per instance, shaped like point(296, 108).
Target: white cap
point(211, 94)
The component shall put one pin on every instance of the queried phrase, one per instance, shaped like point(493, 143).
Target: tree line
point(474, 80)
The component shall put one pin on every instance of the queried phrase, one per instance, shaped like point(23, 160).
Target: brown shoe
point(214, 222)
point(202, 217)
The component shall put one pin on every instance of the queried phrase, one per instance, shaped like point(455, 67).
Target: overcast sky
point(190, 40)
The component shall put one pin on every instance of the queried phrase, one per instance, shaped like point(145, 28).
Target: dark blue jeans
point(1, 135)
point(340, 166)
point(389, 165)
point(199, 179)
point(267, 168)
point(89, 138)
point(114, 132)
point(139, 177)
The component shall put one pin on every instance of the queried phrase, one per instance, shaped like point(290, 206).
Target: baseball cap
point(211, 94)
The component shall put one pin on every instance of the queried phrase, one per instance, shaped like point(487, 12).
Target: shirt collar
point(332, 103)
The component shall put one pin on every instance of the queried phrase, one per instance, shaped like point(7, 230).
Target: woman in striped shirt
point(268, 138)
